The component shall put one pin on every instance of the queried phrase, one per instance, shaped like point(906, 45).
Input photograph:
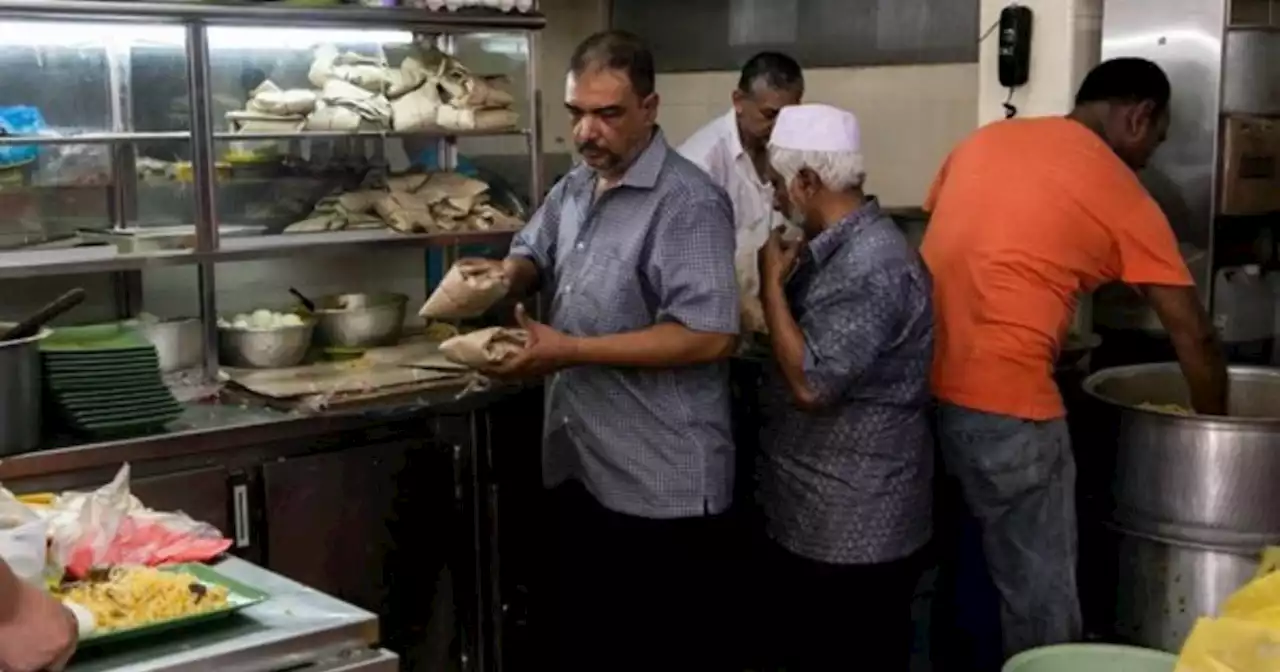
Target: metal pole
point(534, 93)
point(204, 187)
point(123, 194)
point(537, 184)
point(447, 148)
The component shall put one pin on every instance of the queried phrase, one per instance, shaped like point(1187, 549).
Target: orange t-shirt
point(1025, 215)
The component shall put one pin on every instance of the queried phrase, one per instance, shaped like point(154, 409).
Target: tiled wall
point(910, 115)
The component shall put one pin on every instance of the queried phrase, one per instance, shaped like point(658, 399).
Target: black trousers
point(838, 618)
point(626, 593)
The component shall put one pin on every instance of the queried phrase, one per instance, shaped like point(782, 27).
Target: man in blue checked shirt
point(847, 458)
point(637, 245)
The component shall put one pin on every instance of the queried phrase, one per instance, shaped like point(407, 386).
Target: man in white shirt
point(733, 149)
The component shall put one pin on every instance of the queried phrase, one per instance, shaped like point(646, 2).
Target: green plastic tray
point(125, 403)
point(240, 597)
point(98, 337)
point(102, 359)
point(101, 379)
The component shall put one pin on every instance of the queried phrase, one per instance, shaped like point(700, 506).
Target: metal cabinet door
point(203, 494)
point(327, 520)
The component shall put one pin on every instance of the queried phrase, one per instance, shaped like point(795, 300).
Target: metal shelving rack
point(208, 251)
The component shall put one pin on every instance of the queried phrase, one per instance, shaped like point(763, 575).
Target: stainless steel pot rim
point(381, 300)
point(1182, 543)
point(1096, 379)
point(135, 322)
point(45, 332)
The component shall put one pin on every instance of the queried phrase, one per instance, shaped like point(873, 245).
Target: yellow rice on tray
point(132, 597)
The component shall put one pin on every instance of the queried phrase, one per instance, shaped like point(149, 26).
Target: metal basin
point(360, 320)
point(20, 393)
point(265, 348)
point(1164, 586)
point(1195, 479)
point(178, 342)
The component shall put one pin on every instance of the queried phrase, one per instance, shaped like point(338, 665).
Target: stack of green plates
point(105, 380)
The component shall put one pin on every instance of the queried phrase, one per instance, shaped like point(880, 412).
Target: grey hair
point(839, 171)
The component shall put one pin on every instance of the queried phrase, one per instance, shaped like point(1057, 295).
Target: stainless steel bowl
point(177, 342)
point(360, 320)
point(265, 348)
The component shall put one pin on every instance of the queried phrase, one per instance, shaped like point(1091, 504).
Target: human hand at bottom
point(546, 351)
point(39, 635)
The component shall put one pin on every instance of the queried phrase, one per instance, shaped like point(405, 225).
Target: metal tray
point(240, 597)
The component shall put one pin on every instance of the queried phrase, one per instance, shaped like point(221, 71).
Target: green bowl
point(1091, 658)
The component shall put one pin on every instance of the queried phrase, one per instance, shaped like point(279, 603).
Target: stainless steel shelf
point(32, 264)
point(320, 135)
point(338, 242)
point(119, 138)
point(27, 264)
point(275, 14)
point(93, 138)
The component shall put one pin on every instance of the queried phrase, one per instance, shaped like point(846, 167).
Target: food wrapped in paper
point(404, 212)
point(467, 290)
point(749, 305)
point(485, 347)
point(109, 526)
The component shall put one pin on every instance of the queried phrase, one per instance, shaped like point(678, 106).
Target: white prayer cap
point(816, 127)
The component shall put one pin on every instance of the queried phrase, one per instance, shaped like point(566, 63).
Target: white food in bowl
point(261, 320)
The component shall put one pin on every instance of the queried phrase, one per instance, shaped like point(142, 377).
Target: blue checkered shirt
point(852, 483)
point(656, 248)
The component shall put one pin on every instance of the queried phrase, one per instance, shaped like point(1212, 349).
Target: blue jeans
point(1018, 478)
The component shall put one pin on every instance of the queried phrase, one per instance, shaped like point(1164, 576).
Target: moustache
point(591, 147)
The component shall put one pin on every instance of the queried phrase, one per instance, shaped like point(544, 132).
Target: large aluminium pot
point(1164, 586)
point(1195, 479)
point(20, 387)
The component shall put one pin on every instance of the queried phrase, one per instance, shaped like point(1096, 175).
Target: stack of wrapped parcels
point(429, 91)
point(414, 203)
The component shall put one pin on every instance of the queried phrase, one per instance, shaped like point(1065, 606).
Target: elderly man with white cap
point(847, 466)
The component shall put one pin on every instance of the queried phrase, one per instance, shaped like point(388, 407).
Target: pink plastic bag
point(111, 527)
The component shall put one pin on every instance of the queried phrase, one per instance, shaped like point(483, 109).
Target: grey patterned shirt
point(656, 248)
point(852, 483)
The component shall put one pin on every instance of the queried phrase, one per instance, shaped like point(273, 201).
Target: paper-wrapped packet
point(485, 347)
point(466, 291)
point(750, 308)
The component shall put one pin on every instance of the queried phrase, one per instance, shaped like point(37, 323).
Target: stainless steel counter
point(208, 428)
point(296, 628)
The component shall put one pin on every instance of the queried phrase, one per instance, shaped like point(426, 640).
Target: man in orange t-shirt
point(1026, 215)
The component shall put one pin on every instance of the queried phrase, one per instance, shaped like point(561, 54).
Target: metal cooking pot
point(20, 387)
point(1166, 585)
point(1193, 479)
point(360, 320)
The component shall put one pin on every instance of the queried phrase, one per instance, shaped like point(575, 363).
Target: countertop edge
point(220, 439)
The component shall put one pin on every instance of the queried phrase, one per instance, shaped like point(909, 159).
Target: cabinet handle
point(240, 504)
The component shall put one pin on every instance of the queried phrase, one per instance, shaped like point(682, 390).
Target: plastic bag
point(19, 120)
point(1246, 637)
point(109, 526)
point(23, 539)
